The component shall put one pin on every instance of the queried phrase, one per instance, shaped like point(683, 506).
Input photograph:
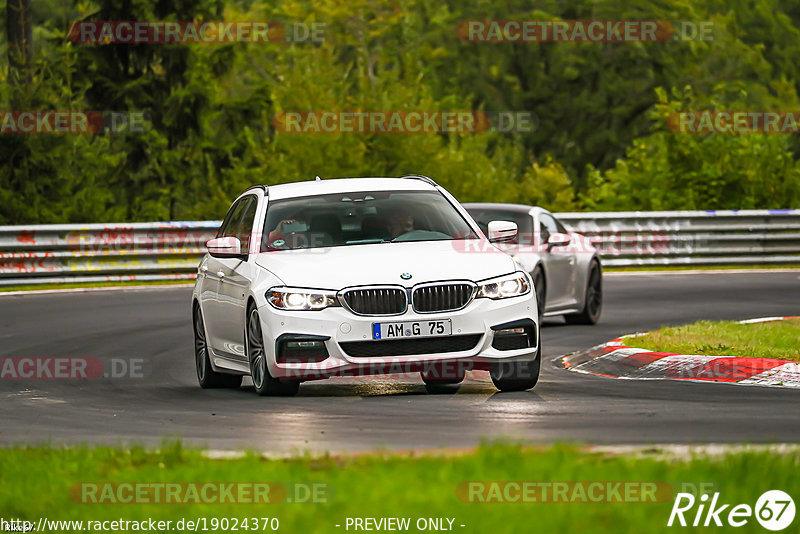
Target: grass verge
point(774, 339)
point(37, 483)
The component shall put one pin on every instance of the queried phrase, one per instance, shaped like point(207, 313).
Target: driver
point(400, 223)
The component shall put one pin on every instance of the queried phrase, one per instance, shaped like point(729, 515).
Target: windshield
point(361, 218)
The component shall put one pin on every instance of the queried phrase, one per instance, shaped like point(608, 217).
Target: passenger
point(285, 228)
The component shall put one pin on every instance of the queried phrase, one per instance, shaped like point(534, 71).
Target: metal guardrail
point(102, 252)
point(172, 250)
point(714, 237)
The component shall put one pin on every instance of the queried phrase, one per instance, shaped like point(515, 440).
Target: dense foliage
point(601, 142)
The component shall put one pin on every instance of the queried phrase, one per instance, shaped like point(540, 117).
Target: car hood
point(339, 267)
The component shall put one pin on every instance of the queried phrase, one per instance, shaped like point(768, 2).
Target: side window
point(244, 226)
point(239, 221)
point(231, 219)
point(547, 226)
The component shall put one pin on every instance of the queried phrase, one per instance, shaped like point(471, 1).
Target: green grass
point(41, 287)
point(775, 339)
point(646, 268)
point(36, 483)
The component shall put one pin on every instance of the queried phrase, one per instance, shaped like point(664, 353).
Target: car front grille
point(376, 301)
point(410, 347)
point(442, 297)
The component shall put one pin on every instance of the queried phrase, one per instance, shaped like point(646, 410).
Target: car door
point(213, 270)
point(575, 285)
point(559, 263)
point(235, 275)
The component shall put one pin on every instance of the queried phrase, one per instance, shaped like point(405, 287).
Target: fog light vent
point(298, 348)
point(514, 336)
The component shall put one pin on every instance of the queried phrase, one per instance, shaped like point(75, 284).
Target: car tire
point(436, 384)
point(265, 384)
point(206, 376)
point(593, 300)
point(516, 375)
point(540, 286)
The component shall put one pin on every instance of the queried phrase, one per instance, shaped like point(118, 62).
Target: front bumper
point(336, 325)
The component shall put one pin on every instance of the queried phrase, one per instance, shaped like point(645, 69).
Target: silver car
point(564, 265)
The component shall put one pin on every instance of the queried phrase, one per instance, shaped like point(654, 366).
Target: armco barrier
point(746, 237)
point(102, 252)
point(172, 250)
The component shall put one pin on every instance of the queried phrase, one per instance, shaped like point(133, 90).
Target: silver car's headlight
point(503, 287)
point(298, 299)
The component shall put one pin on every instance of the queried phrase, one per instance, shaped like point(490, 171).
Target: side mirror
point(501, 231)
point(225, 247)
point(559, 240)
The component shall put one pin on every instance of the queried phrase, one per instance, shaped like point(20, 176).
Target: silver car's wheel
point(540, 286)
point(206, 376)
point(593, 301)
point(263, 381)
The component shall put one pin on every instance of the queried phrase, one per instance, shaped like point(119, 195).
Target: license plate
point(441, 327)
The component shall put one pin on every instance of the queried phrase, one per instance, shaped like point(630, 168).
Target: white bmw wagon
point(356, 277)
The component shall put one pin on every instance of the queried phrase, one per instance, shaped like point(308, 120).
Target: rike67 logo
point(774, 510)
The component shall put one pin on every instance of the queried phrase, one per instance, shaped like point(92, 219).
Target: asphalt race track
point(356, 414)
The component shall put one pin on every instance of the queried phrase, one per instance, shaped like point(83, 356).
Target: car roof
point(348, 185)
point(513, 208)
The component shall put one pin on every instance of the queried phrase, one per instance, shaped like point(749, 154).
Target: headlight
point(512, 285)
point(294, 299)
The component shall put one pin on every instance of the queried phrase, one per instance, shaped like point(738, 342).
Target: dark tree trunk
point(19, 32)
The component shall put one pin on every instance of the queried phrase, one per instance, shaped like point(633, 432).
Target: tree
point(686, 171)
point(19, 36)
